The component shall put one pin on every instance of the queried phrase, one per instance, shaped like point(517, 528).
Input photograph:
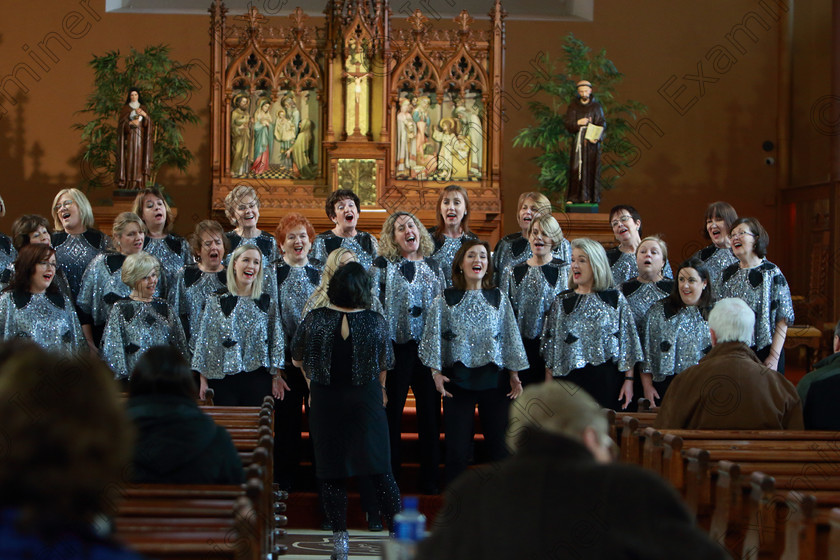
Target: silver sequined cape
point(102, 285)
point(641, 295)
point(474, 327)
point(189, 292)
point(531, 290)
point(624, 267)
point(675, 339)
point(590, 329)
point(715, 259)
point(372, 350)
point(406, 289)
point(363, 244)
point(765, 289)
point(445, 250)
point(172, 251)
point(514, 249)
point(238, 334)
point(135, 326)
point(265, 242)
point(73, 253)
point(8, 253)
point(48, 319)
point(294, 286)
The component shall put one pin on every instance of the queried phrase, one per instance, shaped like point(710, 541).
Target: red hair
point(27, 258)
point(290, 222)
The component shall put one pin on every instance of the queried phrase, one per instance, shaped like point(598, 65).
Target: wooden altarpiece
point(393, 113)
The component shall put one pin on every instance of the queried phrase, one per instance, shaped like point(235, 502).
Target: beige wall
point(711, 152)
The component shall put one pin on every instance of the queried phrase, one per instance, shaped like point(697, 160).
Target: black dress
point(348, 423)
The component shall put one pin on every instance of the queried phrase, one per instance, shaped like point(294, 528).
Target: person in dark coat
point(176, 442)
point(819, 387)
point(65, 443)
point(559, 495)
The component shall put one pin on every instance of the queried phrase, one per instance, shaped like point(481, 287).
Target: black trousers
point(410, 372)
point(763, 353)
point(536, 365)
point(603, 382)
point(288, 426)
point(247, 388)
point(458, 416)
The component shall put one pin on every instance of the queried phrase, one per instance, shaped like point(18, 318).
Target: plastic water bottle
point(409, 529)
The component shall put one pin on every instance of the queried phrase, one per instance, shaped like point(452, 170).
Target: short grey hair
point(555, 407)
point(138, 266)
point(733, 321)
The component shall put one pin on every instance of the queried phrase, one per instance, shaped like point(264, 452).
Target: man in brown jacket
point(730, 388)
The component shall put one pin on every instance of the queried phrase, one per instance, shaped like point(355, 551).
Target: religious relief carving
point(274, 140)
point(298, 110)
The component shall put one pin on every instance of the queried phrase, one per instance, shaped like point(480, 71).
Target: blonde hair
point(389, 248)
point(539, 199)
point(550, 226)
point(121, 222)
point(137, 208)
point(319, 297)
point(662, 247)
point(257, 286)
point(558, 407)
point(138, 266)
point(602, 275)
point(85, 211)
point(232, 199)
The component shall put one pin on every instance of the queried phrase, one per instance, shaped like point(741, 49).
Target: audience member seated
point(64, 442)
point(176, 442)
point(820, 391)
point(559, 495)
point(730, 389)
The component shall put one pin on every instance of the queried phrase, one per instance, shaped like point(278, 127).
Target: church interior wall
point(710, 87)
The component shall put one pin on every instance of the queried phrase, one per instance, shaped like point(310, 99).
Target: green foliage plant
point(554, 89)
point(165, 89)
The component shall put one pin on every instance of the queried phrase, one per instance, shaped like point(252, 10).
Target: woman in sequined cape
point(514, 249)
point(239, 348)
point(675, 334)
point(472, 345)
point(141, 320)
point(171, 250)
point(75, 240)
point(763, 287)
point(342, 208)
point(452, 229)
point(716, 257)
point(532, 285)
point(589, 336)
point(407, 281)
point(33, 307)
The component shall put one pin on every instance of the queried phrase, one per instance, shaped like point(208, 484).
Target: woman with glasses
point(33, 307)
point(75, 240)
point(626, 224)
point(171, 250)
point(32, 228)
point(762, 286)
point(242, 208)
point(194, 282)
